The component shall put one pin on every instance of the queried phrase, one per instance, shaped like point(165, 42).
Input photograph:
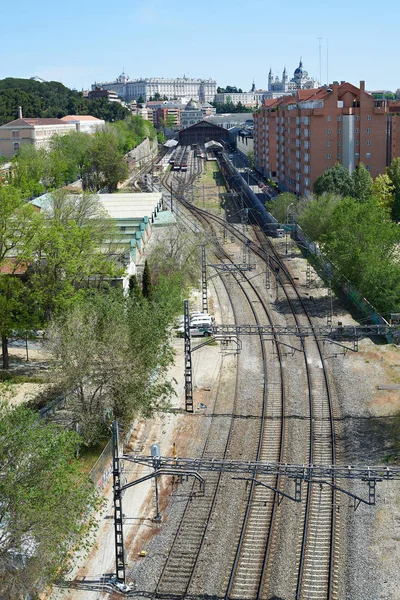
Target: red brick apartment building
point(296, 138)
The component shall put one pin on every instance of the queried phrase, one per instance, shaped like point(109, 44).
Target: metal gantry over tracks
point(241, 470)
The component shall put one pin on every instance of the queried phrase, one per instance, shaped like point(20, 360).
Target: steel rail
point(245, 525)
point(301, 575)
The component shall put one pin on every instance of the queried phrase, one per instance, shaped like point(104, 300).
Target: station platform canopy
point(170, 144)
point(212, 145)
point(131, 206)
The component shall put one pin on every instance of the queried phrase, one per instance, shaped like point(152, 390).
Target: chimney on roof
point(362, 86)
point(19, 112)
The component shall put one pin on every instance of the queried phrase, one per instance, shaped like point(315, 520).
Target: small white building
point(84, 123)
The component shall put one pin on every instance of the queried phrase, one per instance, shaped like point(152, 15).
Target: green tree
point(45, 502)
point(382, 190)
point(281, 205)
point(394, 175)
point(335, 181)
point(112, 352)
point(134, 287)
point(250, 157)
point(19, 223)
point(89, 346)
point(106, 166)
point(72, 248)
point(30, 167)
point(177, 253)
point(360, 237)
point(362, 183)
point(147, 284)
point(315, 214)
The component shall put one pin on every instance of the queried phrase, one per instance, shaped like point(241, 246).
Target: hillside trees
point(51, 99)
point(45, 502)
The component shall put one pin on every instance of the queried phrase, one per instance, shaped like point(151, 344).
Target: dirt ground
point(35, 367)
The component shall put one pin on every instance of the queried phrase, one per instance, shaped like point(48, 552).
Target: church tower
point(285, 79)
point(270, 79)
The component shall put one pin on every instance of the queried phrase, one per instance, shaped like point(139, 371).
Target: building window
point(328, 132)
point(339, 156)
point(328, 156)
point(368, 130)
point(339, 131)
point(357, 117)
point(15, 134)
point(368, 155)
point(368, 142)
point(339, 143)
point(339, 118)
point(328, 168)
point(357, 143)
point(328, 119)
point(368, 168)
point(16, 146)
point(357, 155)
point(328, 144)
point(357, 130)
point(368, 117)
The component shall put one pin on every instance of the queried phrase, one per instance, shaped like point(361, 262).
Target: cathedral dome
point(299, 70)
point(192, 105)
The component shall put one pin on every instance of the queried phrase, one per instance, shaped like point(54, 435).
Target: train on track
point(258, 214)
point(180, 159)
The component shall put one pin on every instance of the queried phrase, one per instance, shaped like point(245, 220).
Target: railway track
point(316, 545)
point(261, 499)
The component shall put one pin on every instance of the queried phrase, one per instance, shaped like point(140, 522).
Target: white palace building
point(180, 88)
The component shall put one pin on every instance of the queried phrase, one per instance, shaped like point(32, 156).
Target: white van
point(201, 319)
point(197, 330)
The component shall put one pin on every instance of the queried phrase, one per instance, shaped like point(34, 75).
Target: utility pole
point(188, 360)
point(329, 315)
point(204, 278)
point(172, 199)
point(118, 514)
point(267, 271)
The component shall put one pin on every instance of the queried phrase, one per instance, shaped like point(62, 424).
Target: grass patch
point(89, 455)
point(15, 378)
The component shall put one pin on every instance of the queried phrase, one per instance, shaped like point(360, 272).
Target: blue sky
point(233, 41)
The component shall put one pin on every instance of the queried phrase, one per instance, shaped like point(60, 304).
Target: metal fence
point(101, 471)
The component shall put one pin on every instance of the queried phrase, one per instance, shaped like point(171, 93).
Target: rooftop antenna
point(327, 61)
point(320, 62)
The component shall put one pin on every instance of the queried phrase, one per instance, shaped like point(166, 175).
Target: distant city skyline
point(83, 43)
